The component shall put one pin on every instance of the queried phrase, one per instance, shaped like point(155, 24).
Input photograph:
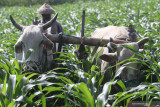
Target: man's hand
point(35, 21)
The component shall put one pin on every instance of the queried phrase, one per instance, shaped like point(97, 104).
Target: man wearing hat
point(46, 11)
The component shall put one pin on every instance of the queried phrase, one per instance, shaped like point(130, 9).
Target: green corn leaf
point(4, 85)
point(121, 84)
point(5, 67)
point(12, 104)
point(102, 98)
point(95, 49)
point(130, 47)
point(2, 102)
point(67, 81)
point(29, 52)
point(86, 94)
point(11, 87)
point(43, 98)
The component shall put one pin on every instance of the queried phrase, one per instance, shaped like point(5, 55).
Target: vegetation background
point(77, 82)
point(36, 2)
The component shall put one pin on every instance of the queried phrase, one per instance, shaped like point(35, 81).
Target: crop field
point(78, 82)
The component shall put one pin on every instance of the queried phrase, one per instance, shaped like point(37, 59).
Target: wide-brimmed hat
point(45, 9)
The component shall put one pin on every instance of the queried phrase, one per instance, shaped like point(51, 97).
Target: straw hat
point(45, 9)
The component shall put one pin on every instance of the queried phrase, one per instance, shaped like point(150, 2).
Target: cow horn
point(17, 25)
point(49, 23)
point(112, 46)
point(131, 28)
point(142, 42)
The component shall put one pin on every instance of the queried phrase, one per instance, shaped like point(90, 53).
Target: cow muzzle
point(32, 66)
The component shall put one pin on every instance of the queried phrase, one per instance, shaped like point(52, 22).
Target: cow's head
point(122, 53)
point(33, 41)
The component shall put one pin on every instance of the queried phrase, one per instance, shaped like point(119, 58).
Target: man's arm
point(59, 28)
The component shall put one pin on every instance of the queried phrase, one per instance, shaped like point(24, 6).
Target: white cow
point(33, 39)
point(120, 53)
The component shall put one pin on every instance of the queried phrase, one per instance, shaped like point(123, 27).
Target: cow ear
point(18, 47)
point(112, 47)
point(48, 43)
point(109, 57)
point(142, 42)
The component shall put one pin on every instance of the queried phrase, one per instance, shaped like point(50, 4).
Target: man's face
point(46, 17)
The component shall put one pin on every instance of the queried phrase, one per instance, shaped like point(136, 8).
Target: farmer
point(46, 11)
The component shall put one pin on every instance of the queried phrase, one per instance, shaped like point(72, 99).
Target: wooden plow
point(81, 52)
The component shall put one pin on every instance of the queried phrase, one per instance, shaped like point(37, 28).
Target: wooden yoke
point(86, 40)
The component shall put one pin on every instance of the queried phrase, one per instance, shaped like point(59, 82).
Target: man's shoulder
point(58, 23)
